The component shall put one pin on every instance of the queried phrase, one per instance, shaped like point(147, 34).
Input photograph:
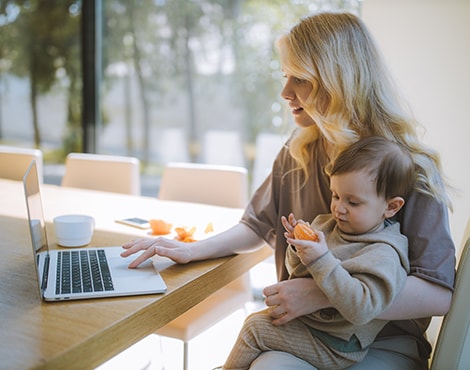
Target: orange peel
point(185, 235)
point(160, 227)
point(209, 228)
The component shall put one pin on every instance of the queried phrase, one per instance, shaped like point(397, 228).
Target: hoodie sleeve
point(363, 286)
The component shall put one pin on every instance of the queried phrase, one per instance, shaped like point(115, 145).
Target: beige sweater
point(360, 275)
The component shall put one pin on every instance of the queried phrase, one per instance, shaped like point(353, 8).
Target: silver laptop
point(81, 273)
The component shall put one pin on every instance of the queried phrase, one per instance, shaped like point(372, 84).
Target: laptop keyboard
point(83, 271)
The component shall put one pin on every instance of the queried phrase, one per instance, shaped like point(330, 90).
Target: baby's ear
point(393, 206)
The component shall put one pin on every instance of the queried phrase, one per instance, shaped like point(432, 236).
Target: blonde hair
point(353, 95)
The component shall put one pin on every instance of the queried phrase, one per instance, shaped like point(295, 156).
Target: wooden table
point(84, 334)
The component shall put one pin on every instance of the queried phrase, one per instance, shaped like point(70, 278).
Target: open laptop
point(81, 273)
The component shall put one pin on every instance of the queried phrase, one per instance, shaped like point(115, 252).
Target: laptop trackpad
point(120, 268)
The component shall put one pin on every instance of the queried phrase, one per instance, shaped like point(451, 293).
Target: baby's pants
point(258, 335)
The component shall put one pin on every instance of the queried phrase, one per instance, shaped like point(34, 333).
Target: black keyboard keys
point(83, 271)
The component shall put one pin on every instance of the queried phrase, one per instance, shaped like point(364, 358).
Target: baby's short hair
point(390, 164)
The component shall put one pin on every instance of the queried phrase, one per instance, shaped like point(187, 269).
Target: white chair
point(14, 161)
point(216, 185)
point(118, 174)
point(452, 350)
point(205, 183)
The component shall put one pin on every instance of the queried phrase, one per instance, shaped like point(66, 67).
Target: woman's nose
point(287, 93)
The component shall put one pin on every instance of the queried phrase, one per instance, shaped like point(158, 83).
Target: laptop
point(81, 273)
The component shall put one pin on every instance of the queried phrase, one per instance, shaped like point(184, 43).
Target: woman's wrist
point(238, 239)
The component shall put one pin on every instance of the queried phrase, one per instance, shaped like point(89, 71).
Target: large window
point(40, 74)
point(177, 76)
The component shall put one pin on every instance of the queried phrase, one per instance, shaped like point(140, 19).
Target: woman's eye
point(296, 80)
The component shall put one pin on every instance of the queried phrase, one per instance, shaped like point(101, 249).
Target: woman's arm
point(419, 298)
point(238, 239)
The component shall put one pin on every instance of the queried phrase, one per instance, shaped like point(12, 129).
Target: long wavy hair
point(353, 95)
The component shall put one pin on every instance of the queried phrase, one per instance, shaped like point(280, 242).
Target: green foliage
point(177, 50)
point(41, 42)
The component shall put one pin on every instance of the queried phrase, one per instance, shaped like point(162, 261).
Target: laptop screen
point(37, 227)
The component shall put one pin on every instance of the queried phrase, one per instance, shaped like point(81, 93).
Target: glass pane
point(181, 80)
point(195, 80)
point(40, 76)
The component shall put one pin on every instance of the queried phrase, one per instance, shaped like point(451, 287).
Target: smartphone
point(135, 222)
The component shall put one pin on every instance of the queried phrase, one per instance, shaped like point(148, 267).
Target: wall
point(427, 47)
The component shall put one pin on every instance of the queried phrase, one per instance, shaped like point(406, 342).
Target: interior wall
point(427, 47)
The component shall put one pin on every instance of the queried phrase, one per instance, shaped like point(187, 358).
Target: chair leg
point(185, 355)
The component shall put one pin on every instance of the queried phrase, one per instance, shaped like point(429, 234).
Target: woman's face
point(296, 92)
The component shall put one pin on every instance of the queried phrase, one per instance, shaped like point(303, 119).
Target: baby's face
point(355, 204)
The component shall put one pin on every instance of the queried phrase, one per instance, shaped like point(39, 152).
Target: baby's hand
point(309, 250)
point(289, 225)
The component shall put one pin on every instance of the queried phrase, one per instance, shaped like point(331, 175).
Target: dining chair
point(217, 185)
point(14, 162)
point(452, 349)
point(117, 174)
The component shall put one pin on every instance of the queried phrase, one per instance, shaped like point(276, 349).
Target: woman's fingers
point(142, 258)
point(136, 245)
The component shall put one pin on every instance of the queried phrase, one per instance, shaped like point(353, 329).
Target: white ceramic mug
point(74, 230)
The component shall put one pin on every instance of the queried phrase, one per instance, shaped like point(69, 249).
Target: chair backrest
point(15, 161)
point(203, 183)
point(452, 349)
point(117, 174)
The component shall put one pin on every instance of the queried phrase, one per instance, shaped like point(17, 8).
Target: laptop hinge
point(45, 273)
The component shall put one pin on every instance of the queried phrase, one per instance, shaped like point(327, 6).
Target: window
point(176, 76)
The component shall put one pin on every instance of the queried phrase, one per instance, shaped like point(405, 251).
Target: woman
point(339, 91)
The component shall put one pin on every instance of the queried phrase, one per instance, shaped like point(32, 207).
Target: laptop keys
point(105, 273)
point(83, 271)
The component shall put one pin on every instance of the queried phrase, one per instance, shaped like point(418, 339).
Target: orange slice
point(303, 231)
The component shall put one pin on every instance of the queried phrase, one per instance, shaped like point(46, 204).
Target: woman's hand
point(173, 249)
point(290, 299)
